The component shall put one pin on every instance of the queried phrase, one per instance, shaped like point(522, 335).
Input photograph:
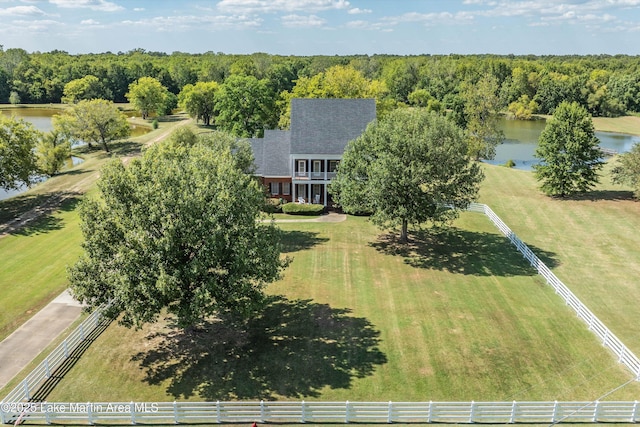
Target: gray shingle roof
point(324, 126)
point(276, 147)
point(318, 126)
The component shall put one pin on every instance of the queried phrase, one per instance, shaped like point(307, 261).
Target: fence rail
point(18, 406)
point(324, 412)
point(44, 371)
point(608, 338)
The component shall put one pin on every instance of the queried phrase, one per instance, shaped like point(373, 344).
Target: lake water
point(521, 140)
point(41, 120)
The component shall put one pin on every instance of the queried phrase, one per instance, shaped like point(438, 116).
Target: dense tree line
point(604, 85)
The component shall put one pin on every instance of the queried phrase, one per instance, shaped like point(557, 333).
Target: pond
point(41, 120)
point(521, 140)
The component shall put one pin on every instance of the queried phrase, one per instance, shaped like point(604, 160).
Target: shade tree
point(408, 168)
point(569, 152)
point(176, 230)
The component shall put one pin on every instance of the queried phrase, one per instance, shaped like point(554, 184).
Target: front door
point(317, 193)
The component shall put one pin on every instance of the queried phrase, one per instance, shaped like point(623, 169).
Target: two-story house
point(298, 164)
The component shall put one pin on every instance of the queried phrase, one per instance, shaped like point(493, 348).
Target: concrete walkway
point(330, 217)
point(28, 341)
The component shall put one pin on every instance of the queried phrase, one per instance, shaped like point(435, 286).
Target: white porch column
point(325, 195)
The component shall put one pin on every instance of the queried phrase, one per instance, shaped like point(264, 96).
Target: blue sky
point(324, 27)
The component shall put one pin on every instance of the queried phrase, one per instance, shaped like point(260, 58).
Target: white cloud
point(89, 22)
point(190, 22)
point(138, 9)
point(298, 21)
point(21, 11)
point(266, 6)
point(358, 11)
point(99, 5)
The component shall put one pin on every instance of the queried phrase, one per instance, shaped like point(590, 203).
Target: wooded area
point(606, 85)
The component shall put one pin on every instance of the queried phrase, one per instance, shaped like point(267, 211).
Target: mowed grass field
point(594, 239)
point(454, 316)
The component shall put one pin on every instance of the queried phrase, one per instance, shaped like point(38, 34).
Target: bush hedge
point(273, 205)
point(302, 209)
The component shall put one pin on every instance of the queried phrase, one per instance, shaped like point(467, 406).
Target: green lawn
point(594, 238)
point(457, 316)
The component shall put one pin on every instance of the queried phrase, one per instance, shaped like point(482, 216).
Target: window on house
point(302, 167)
point(286, 188)
point(333, 165)
point(275, 188)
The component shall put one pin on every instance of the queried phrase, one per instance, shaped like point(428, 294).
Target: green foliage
point(481, 108)
point(244, 106)
point(52, 153)
point(87, 87)
point(408, 168)
point(14, 98)
point(336, 82)
point(302, 209)
point(93, 121)
point(569, 152)
point(273, 205)
point(199, 100)
point(627, 170)
point(154, 124)
point(18, 140)
point(147, 95)
point(510, 163)
point(177, 229)
point(523, 108)
point(170, 103)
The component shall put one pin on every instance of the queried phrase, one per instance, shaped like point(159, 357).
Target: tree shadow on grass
point(33, 214)
point(292, 349)
point(463, 252)
point(600, 195)
point(45, 220)
point(294, 241)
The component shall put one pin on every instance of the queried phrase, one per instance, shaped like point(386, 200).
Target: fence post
point(46, 368)
point(555, 411)
point(303, 413)
point(133, 414)
point(513, 413)
point(262, 411)
point(47, 414)
point(218, 411)
point(26, 389)
point(65, 345)
point(430, 409)
point(635, 412)
point(596, 411)
point(90, 413)
point(389, 411)
point(472, 411)
point(175, 412)
point(346, 412)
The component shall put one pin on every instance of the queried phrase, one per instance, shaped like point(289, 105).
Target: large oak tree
point(408, 168)
point(94, 121)
point(176, 230)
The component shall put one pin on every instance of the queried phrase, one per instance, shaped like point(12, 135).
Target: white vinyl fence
point(608, 338)
point(61, 354)
point(19, 406)
point(322, 412)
